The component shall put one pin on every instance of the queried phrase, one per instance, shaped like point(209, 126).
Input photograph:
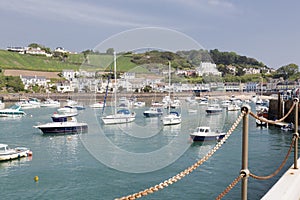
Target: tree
point(287, 71)
point(14, 83)
point(110, 51)
point(147, 88)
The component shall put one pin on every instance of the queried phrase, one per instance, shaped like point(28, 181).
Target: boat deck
point(287, 187)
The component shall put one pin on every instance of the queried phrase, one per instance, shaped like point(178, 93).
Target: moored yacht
point(153, 112)
point(63, 125)
point(204, 133)
point(13, 111)
point(7, 153)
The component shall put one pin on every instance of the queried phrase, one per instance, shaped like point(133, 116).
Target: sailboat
point(119, 116)
point(173, 117)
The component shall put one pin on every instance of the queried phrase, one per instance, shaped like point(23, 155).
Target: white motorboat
point(7, 153)
point(99, 104)
point(213, 109)
point(204, 133)
point(153, 112)
point(50, 103)
point(139, 104)
point(63, 125)
point(233, 107)
point(67, 110)
point(14, 111)
point(172, 118)
point(225, 103)
point(203, 101)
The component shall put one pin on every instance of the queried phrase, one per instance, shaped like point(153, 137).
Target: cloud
point(212, 7)
point(77, 11)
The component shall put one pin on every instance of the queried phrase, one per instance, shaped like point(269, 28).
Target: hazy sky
point(267, 30)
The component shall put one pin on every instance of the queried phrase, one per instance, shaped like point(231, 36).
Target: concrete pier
point(287, 186)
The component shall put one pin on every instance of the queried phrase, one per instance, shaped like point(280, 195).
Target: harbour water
point(68, 168)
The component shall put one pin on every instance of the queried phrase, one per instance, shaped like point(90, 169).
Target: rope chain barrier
point(279, 168)
point(272, 121)
point(230, 186)
point(190, 169)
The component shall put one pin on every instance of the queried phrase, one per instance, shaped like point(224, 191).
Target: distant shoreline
point(92, 97)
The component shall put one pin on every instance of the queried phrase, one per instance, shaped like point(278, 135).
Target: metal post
point(296, 100)
point(245, 170)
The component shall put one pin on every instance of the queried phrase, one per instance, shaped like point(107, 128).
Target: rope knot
point(245, 172)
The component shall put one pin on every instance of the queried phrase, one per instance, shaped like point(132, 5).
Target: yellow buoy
point(36, 179)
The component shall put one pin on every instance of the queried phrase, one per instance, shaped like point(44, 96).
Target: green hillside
point(12, 60)
point(95, 62)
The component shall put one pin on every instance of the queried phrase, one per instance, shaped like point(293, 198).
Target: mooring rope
point(230, 186)
point(279, 168)
point(190, 169)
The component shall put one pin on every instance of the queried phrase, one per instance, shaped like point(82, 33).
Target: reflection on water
point(7, 166)
point(63, 163)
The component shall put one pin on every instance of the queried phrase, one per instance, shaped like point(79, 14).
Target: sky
point(267, 30)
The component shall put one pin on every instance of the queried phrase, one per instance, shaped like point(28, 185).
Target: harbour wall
point(279, 108)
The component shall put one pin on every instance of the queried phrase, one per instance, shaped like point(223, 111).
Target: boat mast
point(115, 76)
point(169, 86)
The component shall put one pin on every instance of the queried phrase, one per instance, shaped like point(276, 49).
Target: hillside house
point(34, 80)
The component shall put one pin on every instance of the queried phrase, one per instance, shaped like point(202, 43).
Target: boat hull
point(206, 138)
point(152, 114)
point(63, 128)
point(117, 120)
point(15, 155)
point(213, 111)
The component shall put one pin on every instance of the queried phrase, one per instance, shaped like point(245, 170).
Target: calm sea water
point(68, 170)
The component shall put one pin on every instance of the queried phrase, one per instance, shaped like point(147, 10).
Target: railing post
point(296, 134)
point(245, 170)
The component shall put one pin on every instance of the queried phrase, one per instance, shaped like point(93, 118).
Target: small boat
point(233, 107)
point(62, 117)
point(139, 104)
point(13, 111)
point(157, 104)
point(225, 103)
point(63, 125)
point(25, 104)
point(122, 116)
point(213, 109)
point(2, 105)
point(67, 110)
point(190, 110)
point(153, 112)
point(50, 103)
point(36, 103)
point(288, 127)
point(204, 133)
point(172, 118)
point(7, 153)
point(176, 103)
point(261, 123)
point(99, 104)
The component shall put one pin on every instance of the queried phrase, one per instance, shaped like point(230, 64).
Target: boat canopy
point(174, 113)
point(123, 111)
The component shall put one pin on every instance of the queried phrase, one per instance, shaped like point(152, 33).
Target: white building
point(208, 68)
point(64, 87)
point(34, 80)
point(251, 71)
point(69, 74)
